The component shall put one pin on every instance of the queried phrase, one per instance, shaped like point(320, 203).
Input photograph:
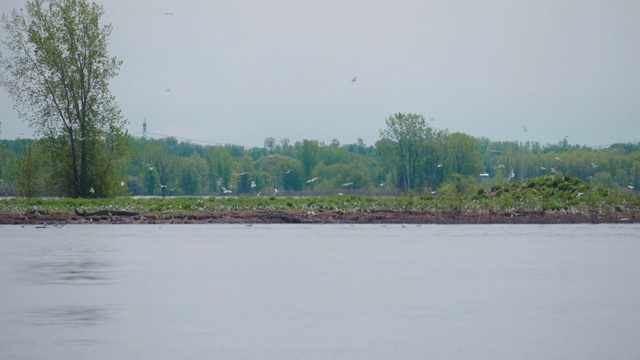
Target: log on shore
point(106, 213)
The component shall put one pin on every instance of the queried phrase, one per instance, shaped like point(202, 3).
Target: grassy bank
point(535, 196)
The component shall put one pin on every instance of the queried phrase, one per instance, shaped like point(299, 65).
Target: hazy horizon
point(239, 72)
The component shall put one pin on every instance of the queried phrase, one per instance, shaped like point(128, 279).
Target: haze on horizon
point(240, 71)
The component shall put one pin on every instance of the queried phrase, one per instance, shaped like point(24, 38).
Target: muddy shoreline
point(329, 217)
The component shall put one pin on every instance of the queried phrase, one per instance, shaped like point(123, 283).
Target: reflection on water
point(68, 265)
point(67, 315)
point(68, 272)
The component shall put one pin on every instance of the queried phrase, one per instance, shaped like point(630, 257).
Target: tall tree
point(57, 71)
point(405, 135)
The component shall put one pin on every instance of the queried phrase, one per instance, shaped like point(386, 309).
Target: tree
point(58, 73)
point(405, 135)
point(270, 144)
point(308, 155)
point(27, 179)
point(464, 156)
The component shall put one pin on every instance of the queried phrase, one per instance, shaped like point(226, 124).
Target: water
point(320, 292)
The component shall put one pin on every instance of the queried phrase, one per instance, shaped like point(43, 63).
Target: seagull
point(594, 165)
point(226, 191)
point(220, 182)
point(543, 168)
point(168, 13)
point(630, 187)
point(557, 158)
point(501, 166)
point(243, 173)
point(253, 184)
point(440, 165)
point(288, 171)
point(92, 191)
point(525, 129)
point(163, 186)
point(167, 90)
point(150, 168)
point(511, 175)
point(354, 79)
point(275, 192)
point(121, 183)
point(346, 184)
point(312, 180)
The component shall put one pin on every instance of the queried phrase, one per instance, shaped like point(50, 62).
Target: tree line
point(413, 158)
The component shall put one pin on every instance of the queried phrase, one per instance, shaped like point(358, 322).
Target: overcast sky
point(243, 70)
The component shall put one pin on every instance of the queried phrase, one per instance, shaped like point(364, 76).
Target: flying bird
point(354, 79)
point(511, 175)
point(168, 13)
point(312, 180)
point(346, 184)
point(121, 183)
point(253, 184)
point(275, 191)
point(226, 191)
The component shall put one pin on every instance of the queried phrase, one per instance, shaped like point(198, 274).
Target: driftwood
point(106, 213)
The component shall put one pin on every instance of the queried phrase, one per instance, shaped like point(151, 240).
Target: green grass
point(549, 193)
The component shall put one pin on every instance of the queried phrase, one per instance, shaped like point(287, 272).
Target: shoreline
point(329, 217)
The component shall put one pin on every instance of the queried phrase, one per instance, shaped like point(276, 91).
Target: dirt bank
point(328, 217)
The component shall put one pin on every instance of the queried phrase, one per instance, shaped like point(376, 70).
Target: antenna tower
point(144, 128)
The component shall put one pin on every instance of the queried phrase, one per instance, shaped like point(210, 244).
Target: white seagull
point(312, 180)
point(346, 184)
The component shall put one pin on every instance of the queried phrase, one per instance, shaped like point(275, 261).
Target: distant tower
point(144, 128)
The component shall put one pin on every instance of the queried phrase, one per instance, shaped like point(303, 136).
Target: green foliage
point(58, 72)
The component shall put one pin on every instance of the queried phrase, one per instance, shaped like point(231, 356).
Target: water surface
point(320, 292)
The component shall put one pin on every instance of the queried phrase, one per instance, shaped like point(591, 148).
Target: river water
point(320, 292)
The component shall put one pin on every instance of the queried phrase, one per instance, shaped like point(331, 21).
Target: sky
point(240, 71)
